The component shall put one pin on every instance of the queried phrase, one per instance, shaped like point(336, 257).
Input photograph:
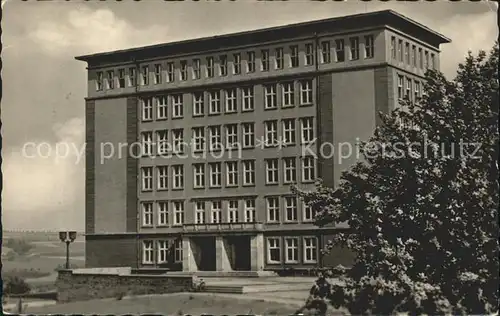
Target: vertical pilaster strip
point(89, 167)
point(324, 122)
point(382, 92)
point(132, 164)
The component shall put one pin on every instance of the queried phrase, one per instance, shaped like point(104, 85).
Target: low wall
point(88, 284)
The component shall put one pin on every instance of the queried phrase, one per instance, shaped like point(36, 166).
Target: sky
point(44, 87)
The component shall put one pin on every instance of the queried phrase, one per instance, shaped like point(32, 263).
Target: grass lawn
point(176, 304)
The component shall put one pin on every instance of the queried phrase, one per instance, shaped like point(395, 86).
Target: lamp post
point(67, 237)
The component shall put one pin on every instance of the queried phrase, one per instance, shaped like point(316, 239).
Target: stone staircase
point(228, 274)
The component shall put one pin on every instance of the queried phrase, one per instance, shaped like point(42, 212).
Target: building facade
point(192, 146)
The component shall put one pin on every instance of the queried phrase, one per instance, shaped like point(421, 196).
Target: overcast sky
point(44, 87)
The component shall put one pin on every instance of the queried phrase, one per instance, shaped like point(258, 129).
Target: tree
point(422, 204)
point(15, 285)
point(19, 246)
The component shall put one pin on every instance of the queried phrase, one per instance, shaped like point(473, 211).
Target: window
point(288, 131)
point(251, 62)
point(231, 173)
point(121, 78)
point(369, 46)
point(178, 250)
point(433, 61)
point(170, 72)
point(215, 138)
point(98, 81)
point(248, 172)
point(309, 60)
point(216, 212)
point(110, 80)
point(271, 133)
point(407, 53)
point(339, 50)
point(306, 130)
point(279, 56)
point(272, 171)
point(248, 135)
point(147, 178)
point(325, 52)
point(308, 169)
point(178, 212)
point(196, 69)
point(289, 170)
point(249, 211)
point(264, 60)
point(354, 45)
point(393, 47)
point(162, 251)
point(292, 250)
point(231, 136)
point(273, 209)
point(147, 252)
point(177, 107)
point(408, 88)
point(231, 106)
point(162, 142)
point(178, 140)
point(309, 213)
point(198, 104)
point(247, 94)
point(184, 70)
point(400, 50)
point(145, 76)
point(199, 138)
point(214, 100)
point(210, 67)
point(400, 87)
point(270, 96)
point(310, 249)
point(288, 99)
point(273, 250)
point(199, 212)
point(426, 60)
point(132, 81)
point(199, 175)
point(157, 76)
point(178, 176)
point(420, 59)
point(161, 107)
point(223, 65)
point(162, 177)
point(163, 213)
point(147, 213)
point(237, 64)
point(215, 174)
point(232, 211)
point(294, 56)
point(291, 209)
point(147, 109)
point(306, 93)
point(147, 143)
point(417, 91)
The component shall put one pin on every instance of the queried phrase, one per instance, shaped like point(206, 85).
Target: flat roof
point(376, 18)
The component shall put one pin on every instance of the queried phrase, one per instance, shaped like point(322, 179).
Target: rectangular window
point(178, 213)
point(163, 213)
point(196, 69)
point(162, 142)
point(279, 58)
point(294, 56)
point(420, 59)
point(270, 100)
point(308, 169)
point(407, 53)
point(231, 173)
point(147, 214)
point(288, 98)
point(210, 67)
point(198, 176)
point(400, 51)
point(289, 169)
point(199, 138)
point(310, 249)
point(110, 80)
point(250, 62)
point(198, 104)
point(121, 78)
point(400, 87)
point(177, 107)
point(308, 212)
point(215, 174)
point(426, 60)
point(184, 70)
point(132, 77)
point(178, 140)
point(161, 107)
point(147, 252)
point(354, 45)
point(413, 56)
point(236, 64)
point(247, 95)
point(264, 59)
point(162, 177)
point(248, 130)
point(273, 209)
point(98, 81)
point(232, 136)
point(157, 76)
point(231, 105)
point(288, 132)
point(147, 109)
point(147, 178)
point(249, 211)
point(309, 58)
point(339, 50)
point(433, 62)
point(223, 65)
point(178, 250)
point(408, 88)
point(394, 53)
point(177, 177)
point(214, 100)
point(215, 137)
point(147, 143)
point(248, 172)
point(170, 72)
point(272, 166)
point(273, 250)
point(292, 250)
point(145, 76)
point(325, 52)
point(417, 91)
point(306, 130)
point(369, 46)
point(232, 211)
point(271, 133)
point(291, 209)
point(306, 92)
point(162, 251)
point(216, 212)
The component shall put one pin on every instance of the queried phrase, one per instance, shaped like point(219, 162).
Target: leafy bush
point(15, 285)
point(424, 224)
point(19, 246)
point(25, 273)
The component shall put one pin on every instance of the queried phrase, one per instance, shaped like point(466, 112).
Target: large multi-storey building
point(192, 146)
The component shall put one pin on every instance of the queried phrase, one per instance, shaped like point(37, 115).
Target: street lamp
point(67, 237)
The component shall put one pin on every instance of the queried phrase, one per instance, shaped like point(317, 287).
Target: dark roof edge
point(442, 39)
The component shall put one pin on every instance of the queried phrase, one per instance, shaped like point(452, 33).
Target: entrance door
point(242, 255)
point(207, 257)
